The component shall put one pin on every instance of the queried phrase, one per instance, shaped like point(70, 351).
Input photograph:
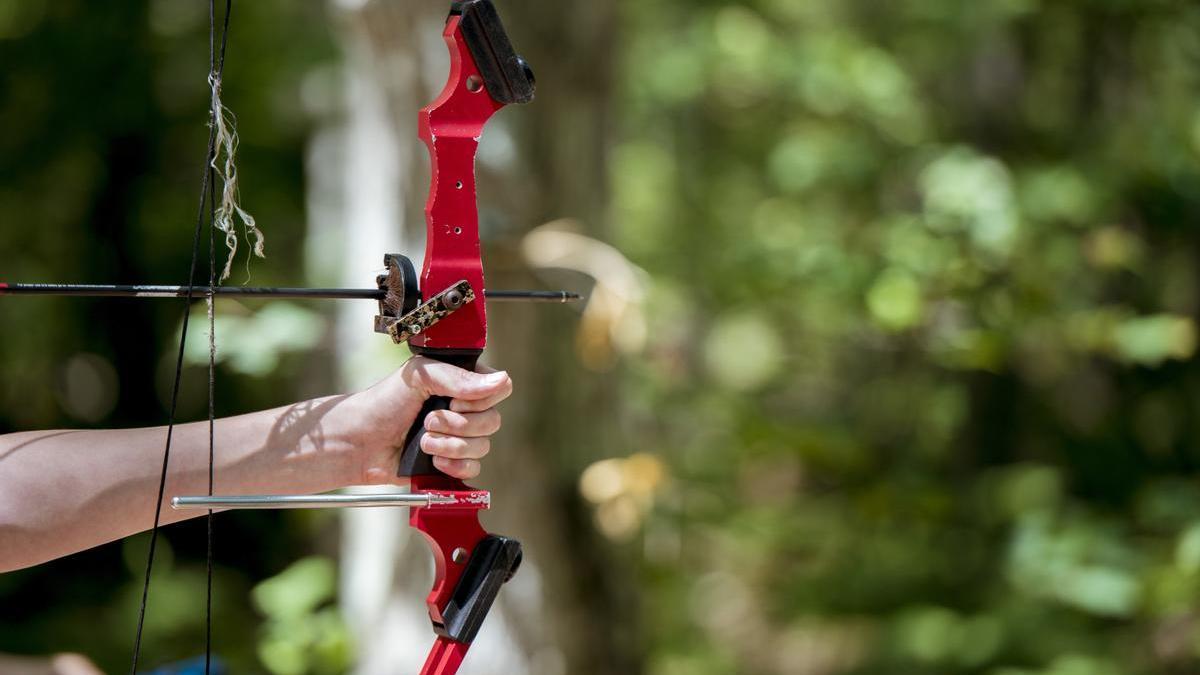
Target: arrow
point(265, 292)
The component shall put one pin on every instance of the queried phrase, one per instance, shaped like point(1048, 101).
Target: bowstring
point(210, 302)
point(216, 67)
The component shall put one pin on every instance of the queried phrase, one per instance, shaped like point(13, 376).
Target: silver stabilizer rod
point(334, 501)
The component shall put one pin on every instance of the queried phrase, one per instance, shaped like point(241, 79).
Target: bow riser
point(485, 73)
point(451, 127)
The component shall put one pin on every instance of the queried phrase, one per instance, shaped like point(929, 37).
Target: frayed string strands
point(229, 209)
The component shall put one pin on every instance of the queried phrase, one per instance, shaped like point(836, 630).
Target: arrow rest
point(399, 284)
point(399, 315)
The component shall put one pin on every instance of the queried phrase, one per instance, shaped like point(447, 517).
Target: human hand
point(456, 438)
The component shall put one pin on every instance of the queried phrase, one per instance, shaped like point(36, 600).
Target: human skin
point(68, 490)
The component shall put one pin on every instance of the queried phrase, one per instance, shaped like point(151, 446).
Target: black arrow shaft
point(160, 291)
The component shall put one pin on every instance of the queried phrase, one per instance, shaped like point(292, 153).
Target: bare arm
point(65, 491)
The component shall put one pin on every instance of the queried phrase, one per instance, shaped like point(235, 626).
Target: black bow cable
point(216, 66)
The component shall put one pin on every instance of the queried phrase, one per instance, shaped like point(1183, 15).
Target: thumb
point(435, 378)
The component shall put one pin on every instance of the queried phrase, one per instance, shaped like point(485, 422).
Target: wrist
point(306, 447)
point(339, 441)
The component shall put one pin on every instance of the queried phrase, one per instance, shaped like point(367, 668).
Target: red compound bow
point(485, 75)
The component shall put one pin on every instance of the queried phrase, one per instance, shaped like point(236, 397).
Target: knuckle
point(441, 421)
point(463, 379)
point(416, 365)
point(459, 468)
point(417, 372)
point(450, 447)
point(469, 406)
point(427, 444)
point(468, 468)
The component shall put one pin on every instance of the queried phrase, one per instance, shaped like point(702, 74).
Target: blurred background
point(886, 365)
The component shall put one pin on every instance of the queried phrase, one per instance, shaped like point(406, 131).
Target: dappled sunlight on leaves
point(970, 193)
point(253, 342)
point(622, 492)
point(1078, 562)
point(895, 300)
point(1151, 340)
point(925, 354)
point(303, 633)
point(744, 352)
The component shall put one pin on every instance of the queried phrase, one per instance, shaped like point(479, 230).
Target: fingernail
point(496, 377)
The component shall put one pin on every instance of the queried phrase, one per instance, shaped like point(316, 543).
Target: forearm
point(65, 491)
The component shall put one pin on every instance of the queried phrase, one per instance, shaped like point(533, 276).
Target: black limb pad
point(413, 460)
point(493, 562)
point(505, 74)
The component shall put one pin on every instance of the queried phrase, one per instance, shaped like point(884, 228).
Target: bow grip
point(413, 460)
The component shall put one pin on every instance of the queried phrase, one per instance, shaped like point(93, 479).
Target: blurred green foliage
point(303, 633)
point(924, 296)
